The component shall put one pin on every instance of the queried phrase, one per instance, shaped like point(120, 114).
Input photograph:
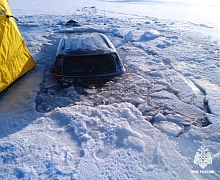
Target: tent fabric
point(15, 58)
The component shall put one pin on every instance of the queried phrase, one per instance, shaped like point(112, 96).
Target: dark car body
point(86, 58)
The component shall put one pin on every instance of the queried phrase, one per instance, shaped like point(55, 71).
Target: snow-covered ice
point(147, 124)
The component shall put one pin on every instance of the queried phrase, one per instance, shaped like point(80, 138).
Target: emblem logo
point(202, 157)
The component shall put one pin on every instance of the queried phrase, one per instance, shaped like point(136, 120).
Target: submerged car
point(86, 58)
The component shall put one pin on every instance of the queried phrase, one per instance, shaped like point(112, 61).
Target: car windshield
point(88, 65)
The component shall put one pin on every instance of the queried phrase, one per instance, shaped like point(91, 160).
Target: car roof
point(85, 43)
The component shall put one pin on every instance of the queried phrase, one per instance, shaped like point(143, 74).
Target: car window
point(88, 65)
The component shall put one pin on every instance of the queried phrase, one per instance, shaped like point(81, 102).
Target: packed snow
point(147, 124)
point(82, 42)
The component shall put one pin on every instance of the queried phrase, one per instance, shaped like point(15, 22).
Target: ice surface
point(159, 156)
point(216, 160)
point(147, 124)
point(212, 96)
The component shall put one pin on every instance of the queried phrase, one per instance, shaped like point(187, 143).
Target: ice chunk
point(135, 101)
point(160, 117)
point(144, 107)
point(169, 128)
point(135, 143)
point(150, 35)
point(128, 36)
point(129, 115)
point(125, 129)
point(178, 119)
